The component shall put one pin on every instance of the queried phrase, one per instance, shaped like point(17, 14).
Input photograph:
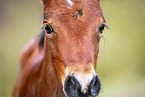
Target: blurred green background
point(121, 62)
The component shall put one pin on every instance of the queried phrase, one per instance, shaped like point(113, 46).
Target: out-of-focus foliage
point(121, 62)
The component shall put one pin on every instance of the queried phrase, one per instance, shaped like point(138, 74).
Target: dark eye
point(101, 28)
point(49, 29)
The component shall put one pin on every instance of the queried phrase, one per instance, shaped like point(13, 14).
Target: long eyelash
point(106, 25)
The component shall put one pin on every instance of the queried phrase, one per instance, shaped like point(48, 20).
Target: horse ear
point(45, 1)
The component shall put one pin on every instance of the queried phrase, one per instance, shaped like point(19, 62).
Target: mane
point(41, 39)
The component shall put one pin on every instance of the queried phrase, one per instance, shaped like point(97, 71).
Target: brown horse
point(61, 62)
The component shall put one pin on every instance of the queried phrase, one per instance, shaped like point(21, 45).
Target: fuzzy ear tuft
point(44, 1)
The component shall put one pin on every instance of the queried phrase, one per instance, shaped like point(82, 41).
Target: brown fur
point(75, 41)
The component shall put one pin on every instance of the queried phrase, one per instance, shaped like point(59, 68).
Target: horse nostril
point(72, 87)
point(95, 86)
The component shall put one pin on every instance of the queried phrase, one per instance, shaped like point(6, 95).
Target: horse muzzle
point(82, 82)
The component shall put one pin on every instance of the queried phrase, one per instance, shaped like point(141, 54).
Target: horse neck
point(50, 85)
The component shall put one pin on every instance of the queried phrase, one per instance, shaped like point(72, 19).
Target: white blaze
point(70, 2)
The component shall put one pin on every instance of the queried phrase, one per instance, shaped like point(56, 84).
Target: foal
point(61, 62)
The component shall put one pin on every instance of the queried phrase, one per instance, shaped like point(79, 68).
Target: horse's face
point(73, 29)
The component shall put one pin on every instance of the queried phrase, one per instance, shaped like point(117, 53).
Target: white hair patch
point(70, 3)
point(83, 78)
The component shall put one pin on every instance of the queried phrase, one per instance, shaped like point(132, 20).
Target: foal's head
point(73, 29)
